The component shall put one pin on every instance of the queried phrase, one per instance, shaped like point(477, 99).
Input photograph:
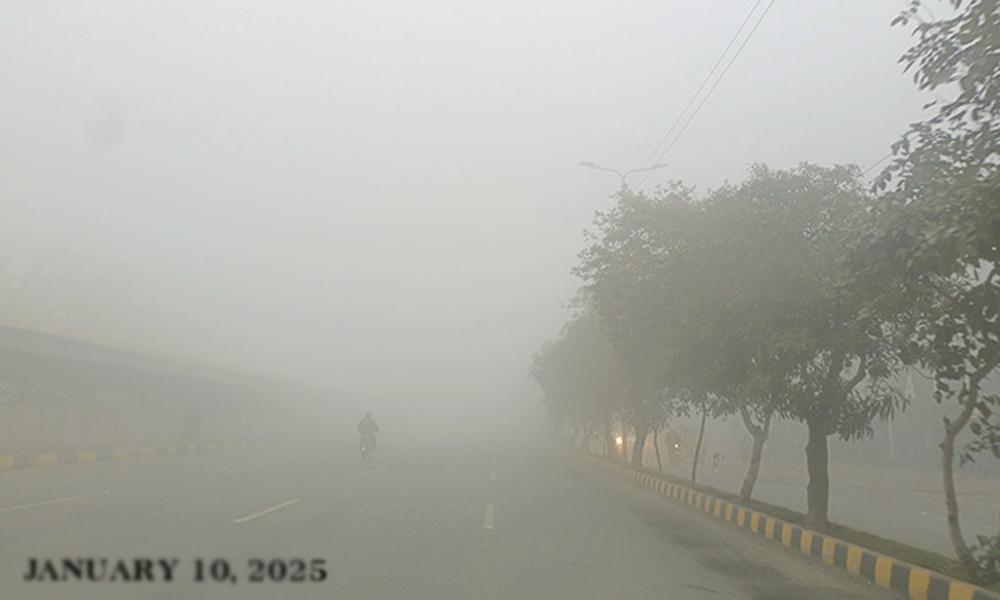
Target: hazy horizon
point(386, 197)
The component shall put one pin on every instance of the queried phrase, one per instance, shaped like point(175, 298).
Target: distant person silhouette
point(368, 429)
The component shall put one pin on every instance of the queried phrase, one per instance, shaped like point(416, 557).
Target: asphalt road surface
point(417, 523)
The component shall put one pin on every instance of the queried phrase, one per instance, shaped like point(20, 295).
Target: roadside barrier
point(884, 571)
point(90, 455)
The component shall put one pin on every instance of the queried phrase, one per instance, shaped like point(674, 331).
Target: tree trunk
point(623, 451)
point(656, 446)
point(609, 439)
point(951, 431)
point(697, 448)
point(750, 480)
point(760, 435)
point(641, 431)
point(818, 488)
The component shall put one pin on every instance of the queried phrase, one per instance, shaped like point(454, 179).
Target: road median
point(883, 570)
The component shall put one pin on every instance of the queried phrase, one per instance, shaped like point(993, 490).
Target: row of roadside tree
point(802, 294)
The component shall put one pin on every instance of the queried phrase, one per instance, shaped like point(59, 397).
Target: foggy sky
point(384, 197)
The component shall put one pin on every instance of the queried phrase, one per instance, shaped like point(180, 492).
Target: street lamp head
point(658, 166)
point(586, 163)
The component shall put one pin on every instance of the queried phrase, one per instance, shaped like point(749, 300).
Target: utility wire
point(887, 156)
point(716, 83)
point(604, 187)
point(690, 103)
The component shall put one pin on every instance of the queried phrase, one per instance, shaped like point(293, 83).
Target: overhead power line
point(691, 101)
point(876, 163)
point(715, 84)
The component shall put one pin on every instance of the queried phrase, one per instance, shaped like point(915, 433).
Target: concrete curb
point(884, 571)
point(90, 455)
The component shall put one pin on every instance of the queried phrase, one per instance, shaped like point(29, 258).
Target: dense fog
point(383, 198)
point(631, 298)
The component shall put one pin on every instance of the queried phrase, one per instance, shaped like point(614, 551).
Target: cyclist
point(368, 429)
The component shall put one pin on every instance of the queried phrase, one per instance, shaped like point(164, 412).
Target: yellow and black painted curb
point(884, 571)
point(91, 455)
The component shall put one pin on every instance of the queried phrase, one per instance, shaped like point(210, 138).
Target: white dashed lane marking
point(267, 511)
point(53, 501)
point(488, 516)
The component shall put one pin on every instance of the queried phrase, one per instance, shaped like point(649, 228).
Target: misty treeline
point(803, 294)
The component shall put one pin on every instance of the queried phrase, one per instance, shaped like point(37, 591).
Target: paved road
point(421, 523)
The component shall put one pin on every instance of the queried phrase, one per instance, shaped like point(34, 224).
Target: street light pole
point(623, 177)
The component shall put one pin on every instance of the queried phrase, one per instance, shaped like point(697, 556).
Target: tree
point(669, 279)
point(826, 361)
point(641, 247)
point(731, 322)
point(581, 376)
point(935, 238)
point(646, 406)
point(745, 303)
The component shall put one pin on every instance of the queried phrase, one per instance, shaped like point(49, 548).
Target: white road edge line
point(488, 517)
point(267, 511)
point(375, 470)
point(53, 501)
